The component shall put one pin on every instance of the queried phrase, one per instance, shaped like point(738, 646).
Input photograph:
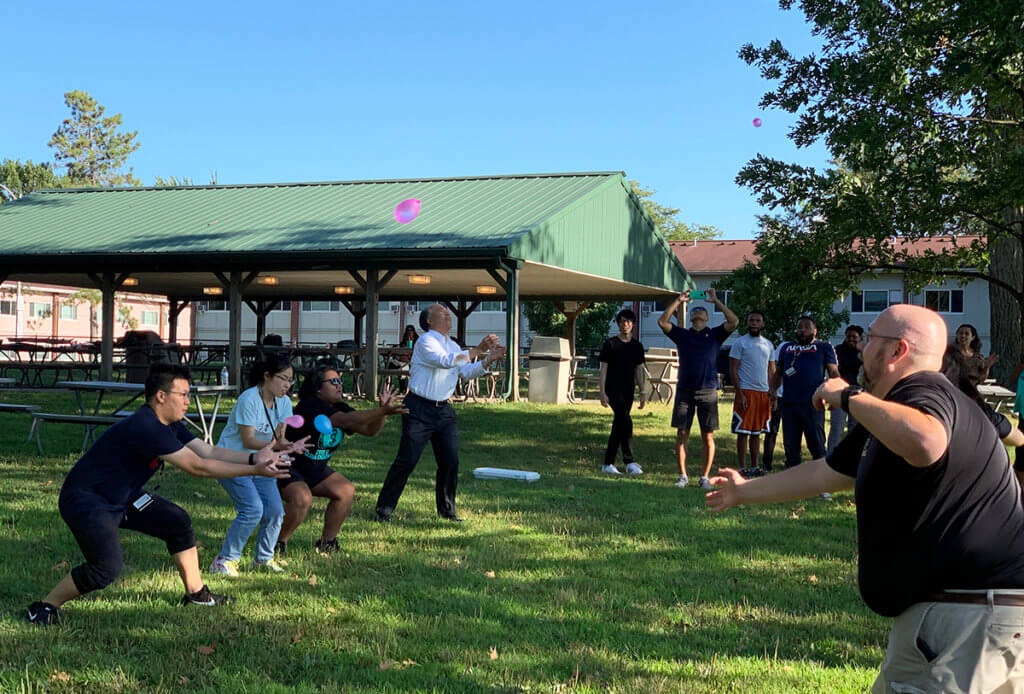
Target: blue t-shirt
point(249, 410)
point(808, 369)
point(698, 356)
point(126, 456)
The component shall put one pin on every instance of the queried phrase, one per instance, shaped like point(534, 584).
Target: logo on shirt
point(793, 348)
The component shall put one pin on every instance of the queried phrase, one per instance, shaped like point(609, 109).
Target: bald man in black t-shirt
point(940, 521)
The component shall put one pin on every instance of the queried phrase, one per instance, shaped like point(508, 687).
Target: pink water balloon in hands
point(407, 210)
point(295, 421)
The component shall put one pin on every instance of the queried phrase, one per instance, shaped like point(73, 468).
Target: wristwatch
point(252, 458)
point(844, 398)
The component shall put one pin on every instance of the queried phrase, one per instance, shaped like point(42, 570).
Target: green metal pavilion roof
point(588, 223)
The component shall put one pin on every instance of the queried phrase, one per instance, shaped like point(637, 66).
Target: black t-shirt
point(622, 359)
point(310, 409)
point(958, 523)
point(126, 456)
point(849, 362)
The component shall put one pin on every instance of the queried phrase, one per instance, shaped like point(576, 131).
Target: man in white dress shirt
point(437, 362)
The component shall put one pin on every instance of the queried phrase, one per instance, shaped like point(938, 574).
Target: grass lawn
point(579, 582)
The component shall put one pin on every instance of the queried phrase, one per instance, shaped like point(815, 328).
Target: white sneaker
point(611, 470)
point(705, 484)
point(268, 565)
point(826, 496)
point(224, 566)
point(683, 482)
point(634, 469)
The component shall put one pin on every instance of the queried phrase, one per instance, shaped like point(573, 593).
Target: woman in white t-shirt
point(257, 419)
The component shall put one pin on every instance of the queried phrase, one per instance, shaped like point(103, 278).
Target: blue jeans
point(258, 503)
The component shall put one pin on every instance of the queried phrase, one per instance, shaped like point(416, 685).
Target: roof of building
point(723, 256)
point(590, 224)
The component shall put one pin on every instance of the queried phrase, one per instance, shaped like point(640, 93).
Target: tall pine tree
point(91, 145)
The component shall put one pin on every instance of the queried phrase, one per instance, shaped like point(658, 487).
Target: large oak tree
point(921, 105)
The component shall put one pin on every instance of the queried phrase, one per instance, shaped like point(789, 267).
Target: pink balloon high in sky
point(757, 122)
point(407, 210)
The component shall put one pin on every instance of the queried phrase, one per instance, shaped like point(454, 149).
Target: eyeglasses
point(183, 393)
point(334, 381)
point(286, 379)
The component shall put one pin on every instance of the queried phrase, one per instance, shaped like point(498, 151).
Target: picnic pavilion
point(570, 238)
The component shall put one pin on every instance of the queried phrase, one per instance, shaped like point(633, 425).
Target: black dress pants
point(768, 451)
point(427, 421)
point(622, 429)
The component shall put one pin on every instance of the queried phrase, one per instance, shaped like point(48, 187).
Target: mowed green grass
point(579, 582)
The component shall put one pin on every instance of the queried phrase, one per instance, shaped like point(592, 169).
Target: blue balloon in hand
point(323, 424)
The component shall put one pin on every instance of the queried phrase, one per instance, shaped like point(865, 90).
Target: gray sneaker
point(705, 484)
point(683, 482)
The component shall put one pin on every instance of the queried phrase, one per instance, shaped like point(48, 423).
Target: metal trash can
point(549, 370)
point(142, 348)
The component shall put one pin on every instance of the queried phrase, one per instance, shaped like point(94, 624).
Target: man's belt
point(435, 403)
point(998, 598)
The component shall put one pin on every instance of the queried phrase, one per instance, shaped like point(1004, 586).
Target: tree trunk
point(1007, 312)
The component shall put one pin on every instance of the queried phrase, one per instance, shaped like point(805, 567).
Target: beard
point(754, 332)
point(804, 340)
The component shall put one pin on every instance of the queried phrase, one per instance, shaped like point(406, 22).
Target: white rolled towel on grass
point(497, 473)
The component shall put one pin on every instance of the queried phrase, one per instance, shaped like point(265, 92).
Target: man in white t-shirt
point(750, 367)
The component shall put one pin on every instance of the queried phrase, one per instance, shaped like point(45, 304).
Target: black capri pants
point(95, 523)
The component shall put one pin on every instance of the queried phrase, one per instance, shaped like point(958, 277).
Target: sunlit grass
point(579, 582)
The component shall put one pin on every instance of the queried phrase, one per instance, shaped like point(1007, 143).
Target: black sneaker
point(326, 546)
point(204, 597)
point(281, 549)
point(383, 516)
point(42, 613)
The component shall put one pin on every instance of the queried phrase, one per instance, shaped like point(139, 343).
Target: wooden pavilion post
point(176, 307)
point(370, 364)
point(107, 341)
point(462, 313)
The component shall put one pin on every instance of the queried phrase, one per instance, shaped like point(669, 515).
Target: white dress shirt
point(437, 362)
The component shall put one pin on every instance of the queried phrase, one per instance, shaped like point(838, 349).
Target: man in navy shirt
point(104, 492)
point(800, 368)
point(940, 521)
point(697, 389)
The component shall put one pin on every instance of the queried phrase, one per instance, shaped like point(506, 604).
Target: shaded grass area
point(579, 582)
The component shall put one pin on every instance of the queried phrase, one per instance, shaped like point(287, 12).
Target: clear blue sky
point(269, 92)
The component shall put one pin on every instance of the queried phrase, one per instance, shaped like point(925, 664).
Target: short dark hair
point(163, 376)
point(806, 317)
point(626, 314)
point(272, 363)
point(424, 316)
point(757, 312)
point(855, 328)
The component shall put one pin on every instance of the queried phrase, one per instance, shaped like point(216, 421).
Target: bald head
point(922, 328)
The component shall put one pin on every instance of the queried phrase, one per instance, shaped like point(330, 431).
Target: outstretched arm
point(809, 479)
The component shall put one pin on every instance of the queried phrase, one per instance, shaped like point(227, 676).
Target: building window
point(7, 308)
point(492, 306)
point(944, 300)
point(874, 300)
point(39, 310)
point(724, 295)
point(282, 306)
point(151, 318)
point(204, 306)
point(69, 311)
point(320, 306)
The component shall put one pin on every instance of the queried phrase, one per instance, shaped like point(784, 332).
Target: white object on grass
point(497, 473)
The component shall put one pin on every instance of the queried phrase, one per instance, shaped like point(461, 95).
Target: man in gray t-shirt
point(750, 368)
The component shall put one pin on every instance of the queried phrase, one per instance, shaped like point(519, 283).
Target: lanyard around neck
point(273, 430)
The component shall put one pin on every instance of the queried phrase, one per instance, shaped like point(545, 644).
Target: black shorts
point(703, 403)
point(312, 475)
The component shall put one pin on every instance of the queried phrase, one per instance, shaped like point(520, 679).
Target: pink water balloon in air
point(407, 210)
point(757, 122)
point(295, 421)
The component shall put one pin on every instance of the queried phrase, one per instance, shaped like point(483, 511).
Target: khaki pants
point(948, 648)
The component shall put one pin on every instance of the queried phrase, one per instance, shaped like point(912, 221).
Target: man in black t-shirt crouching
point(104, 492)
point(940, 522)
